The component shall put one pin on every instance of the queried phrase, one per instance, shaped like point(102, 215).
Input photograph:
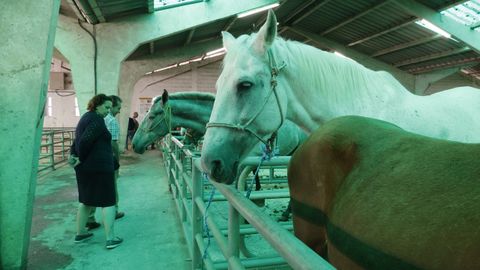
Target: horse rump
point(373, 196)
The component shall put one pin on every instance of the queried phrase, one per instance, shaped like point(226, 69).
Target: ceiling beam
point(386, 31)
point(96, 9)
point(190, 36)
point(462, 63)
point(473, 27)
point(150, 6)
point(431, 56)
point(152, 47)
point(310, 11)
point(359, 15)
point(230, 23)
point(461, 32)
point(297, 11)
point(371, 63)
point(87, 11)
point(75, 9)
point(405, 45)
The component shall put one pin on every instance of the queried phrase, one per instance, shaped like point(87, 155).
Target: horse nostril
point(216, 168)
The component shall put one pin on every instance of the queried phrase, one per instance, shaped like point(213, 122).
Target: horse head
point(157, 124)
point(248, 106)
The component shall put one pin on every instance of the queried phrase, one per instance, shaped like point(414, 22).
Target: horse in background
point(192, 110)
point(368, 195)
point(266, 80)
point(192, 137)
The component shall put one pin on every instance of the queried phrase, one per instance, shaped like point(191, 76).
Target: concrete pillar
point(27, 29)
point(78, 47)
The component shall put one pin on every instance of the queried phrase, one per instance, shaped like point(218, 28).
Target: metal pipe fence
point(54, 147)
point(189, 188)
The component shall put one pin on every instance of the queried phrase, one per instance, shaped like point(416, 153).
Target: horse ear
point(267, 33)
point(164, 96)
point(228, 39)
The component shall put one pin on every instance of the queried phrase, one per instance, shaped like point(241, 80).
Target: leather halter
point(167, 118)
point(274, 70)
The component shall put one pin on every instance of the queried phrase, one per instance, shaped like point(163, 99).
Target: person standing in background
point(114, 128)
point(94, 170)
point(132, 128)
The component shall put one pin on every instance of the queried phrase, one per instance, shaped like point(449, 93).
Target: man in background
point(113, 126)
point(132, 128)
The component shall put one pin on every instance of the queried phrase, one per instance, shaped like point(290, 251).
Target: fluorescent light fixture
point(215, 51)
point(257, 10)
point(198, 59)
point(165, 68)
point(433, 28)
point(214, 55)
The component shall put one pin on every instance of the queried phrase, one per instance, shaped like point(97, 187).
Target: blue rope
point(205, 225)
point(267, 154)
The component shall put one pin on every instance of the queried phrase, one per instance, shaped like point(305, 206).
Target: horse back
point(388, 199)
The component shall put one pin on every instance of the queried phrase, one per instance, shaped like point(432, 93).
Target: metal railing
point(54, 147)
point(189, 186)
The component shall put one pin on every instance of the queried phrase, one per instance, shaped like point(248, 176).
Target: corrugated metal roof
point(376, 28)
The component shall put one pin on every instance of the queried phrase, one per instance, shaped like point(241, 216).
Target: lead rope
point(268, 152)
point(205, 224)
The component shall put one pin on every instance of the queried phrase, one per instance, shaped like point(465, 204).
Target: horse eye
point(245, 85)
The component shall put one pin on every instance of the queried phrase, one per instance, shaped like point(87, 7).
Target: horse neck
point(196, 126)
point(331, 86)
point(193, 114)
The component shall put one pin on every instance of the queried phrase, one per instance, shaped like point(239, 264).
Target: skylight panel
point(164, 4)
point(467, 14)
point(433, 28)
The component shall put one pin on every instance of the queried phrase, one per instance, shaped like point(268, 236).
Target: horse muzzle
point(219, 171)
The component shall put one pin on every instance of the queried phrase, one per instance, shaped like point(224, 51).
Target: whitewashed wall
point(63, 111)
point(195, 77)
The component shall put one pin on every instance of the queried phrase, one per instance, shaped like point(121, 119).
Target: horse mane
point(327, 65)
point(200, 96)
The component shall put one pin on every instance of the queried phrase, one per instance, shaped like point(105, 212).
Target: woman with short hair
point(95, 170)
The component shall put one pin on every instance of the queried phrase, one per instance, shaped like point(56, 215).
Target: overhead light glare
point(339, 54)
point(257, 10)
point(433, 28)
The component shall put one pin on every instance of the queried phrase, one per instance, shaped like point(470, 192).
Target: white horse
point(266, 80)
point(192, 110)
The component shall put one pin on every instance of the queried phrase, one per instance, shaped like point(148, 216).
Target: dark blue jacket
point(93, 144)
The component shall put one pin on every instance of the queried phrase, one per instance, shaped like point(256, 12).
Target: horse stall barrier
point(54, 147)
point(187, 184)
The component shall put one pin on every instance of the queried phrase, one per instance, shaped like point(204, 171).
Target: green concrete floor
point(152, 233)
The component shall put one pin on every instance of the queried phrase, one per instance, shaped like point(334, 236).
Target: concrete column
point(78, 47)
point(26, 51)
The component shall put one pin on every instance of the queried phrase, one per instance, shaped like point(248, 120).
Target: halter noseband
point(274, 71)
point(167, 118)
